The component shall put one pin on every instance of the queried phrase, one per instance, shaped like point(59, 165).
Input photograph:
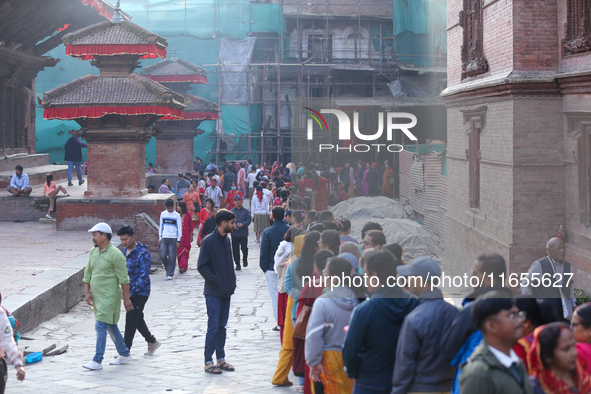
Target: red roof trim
point(195, 116)
point(85, 52)
point(98, 112)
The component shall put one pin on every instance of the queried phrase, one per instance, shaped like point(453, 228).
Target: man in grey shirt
point(182, 186)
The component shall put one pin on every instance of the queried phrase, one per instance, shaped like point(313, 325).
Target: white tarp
point(392, 216)
point(233, 78)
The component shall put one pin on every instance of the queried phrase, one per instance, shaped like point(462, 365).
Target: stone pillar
point(116, 161)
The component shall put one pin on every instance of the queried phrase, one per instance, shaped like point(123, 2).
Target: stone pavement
point(30, 248)
point(176, 315)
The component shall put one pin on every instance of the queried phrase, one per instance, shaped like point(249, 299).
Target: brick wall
point(535, 43)
point(174, 156)
point(23, 208)
point(146, 231)
point(116, 168)
point(498, 35)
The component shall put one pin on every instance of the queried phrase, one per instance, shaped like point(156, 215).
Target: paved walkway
point(177, 316)
point(30, 248)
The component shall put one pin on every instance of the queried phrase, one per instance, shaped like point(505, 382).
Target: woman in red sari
point(205, 214)
point(555, 368)
point(233, 192)
point(320, 189)
point(182, 253)
point(191, 198)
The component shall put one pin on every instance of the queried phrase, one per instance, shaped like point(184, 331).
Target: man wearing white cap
point(105, 276)
point(420, 366)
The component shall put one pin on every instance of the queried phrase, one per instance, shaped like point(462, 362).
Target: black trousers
point(3, 374)
point(237, 244)
point(134, 320)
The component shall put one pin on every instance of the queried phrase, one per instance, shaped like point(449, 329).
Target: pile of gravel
point(391, 215)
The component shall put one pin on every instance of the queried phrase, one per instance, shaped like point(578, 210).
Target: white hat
point(102, 227)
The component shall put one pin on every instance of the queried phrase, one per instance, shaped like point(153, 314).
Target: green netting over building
point(198, 28)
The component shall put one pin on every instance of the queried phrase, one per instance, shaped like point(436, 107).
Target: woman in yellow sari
point(387, 180)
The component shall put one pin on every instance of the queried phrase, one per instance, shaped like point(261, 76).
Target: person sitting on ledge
point(19, 184)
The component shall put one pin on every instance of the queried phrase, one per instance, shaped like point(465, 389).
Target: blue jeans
point(168, 255)
point(101, 340)
point(372, 388)
point(71, 165)
point(218, 310)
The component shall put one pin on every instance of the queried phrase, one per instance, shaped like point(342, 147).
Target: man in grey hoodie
point(330, 314)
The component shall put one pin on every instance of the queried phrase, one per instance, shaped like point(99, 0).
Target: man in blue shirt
point(139, 263)
point(19, 184)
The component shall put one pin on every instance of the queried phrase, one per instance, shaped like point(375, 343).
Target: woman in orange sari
point(182, 253)
point(555, 368)
point(319, 186)
point(387, 186)
point(191, 198)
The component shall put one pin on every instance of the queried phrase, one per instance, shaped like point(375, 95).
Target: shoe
point(238, 267)
point(152, 348)
point(48, 216)
point(93, 366)
point(120, 360)
point(70, 184)
point(169, 278)
point(245, 264)
point(300, 388)
point(81, 182)
point(66, 195)
point(182, 270)
point(276, 328)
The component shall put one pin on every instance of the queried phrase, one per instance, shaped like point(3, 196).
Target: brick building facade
point(519, 132)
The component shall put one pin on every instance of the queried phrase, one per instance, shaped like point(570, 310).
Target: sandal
point(212, 368)
point(226, 367)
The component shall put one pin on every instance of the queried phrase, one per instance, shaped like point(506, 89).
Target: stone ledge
point(48, 294)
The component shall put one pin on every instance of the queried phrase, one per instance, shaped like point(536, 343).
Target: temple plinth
point(174, 145)
point(116, 109)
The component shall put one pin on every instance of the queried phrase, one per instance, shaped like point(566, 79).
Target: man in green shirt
point(105, 276)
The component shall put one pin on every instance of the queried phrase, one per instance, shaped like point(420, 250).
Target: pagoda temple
point(116, 109)
point(174, 145)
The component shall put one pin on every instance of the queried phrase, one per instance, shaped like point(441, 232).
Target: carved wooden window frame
point(580, 130)
point(471, 19)
point(474, 124)
point(578, 27)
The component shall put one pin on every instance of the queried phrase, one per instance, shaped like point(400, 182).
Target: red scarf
point(260, 195)
point(548, 380)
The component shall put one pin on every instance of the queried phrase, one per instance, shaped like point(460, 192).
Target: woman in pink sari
point(242, 178)
point(182, 253)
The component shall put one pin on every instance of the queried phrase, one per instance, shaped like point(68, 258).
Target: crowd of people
point(339, 336)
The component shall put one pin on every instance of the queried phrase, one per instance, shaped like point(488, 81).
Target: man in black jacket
point(490, 269)
point(209, 224)
point(216, 267)
point(73, 157)
point(240, 234)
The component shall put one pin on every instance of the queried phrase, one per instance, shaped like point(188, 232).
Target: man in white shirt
point(169, 237)
point(214, 192)
point(250, 178)
point(554, 267)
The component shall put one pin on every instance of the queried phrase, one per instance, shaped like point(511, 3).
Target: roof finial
point(174, 58)
point(116, 14)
